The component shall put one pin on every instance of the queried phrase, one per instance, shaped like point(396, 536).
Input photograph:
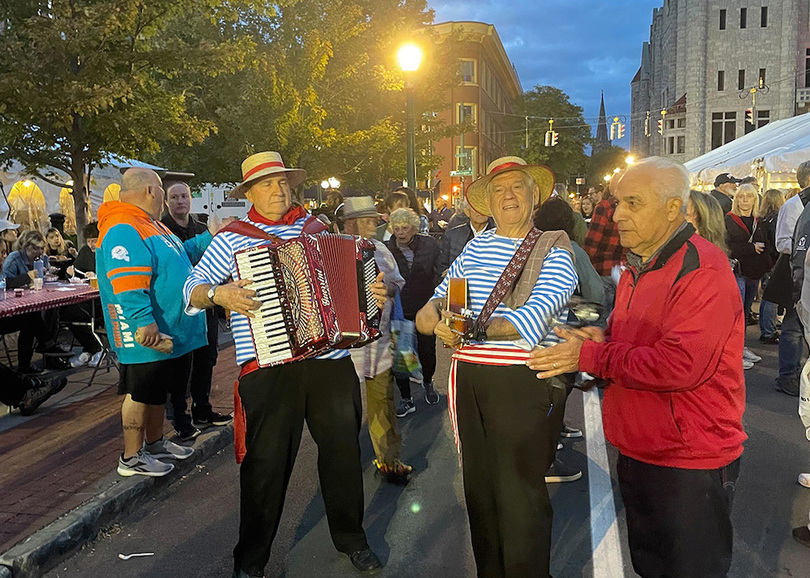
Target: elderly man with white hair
point(506, 423)
point(675, 394)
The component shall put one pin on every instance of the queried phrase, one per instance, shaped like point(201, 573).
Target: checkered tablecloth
point(51, 296)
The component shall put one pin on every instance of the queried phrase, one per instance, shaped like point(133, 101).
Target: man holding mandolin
point(518, 282)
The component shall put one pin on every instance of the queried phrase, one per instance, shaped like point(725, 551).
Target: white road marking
point(607, 552)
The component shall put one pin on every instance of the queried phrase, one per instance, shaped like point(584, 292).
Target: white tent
point(773, 152)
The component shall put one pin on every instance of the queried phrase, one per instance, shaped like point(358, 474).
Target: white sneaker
point(747, 364)
point(164, 448)
point(750, 355)
point(142, 464)
point(96, 359)
point(804, 479)
point(79, 360)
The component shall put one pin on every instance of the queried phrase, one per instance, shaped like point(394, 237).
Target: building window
point(721, 80)
point(467, 70)
point(724, 128)
point(743, 17)
point(761, 77)
point(671, 145)
point(807, 69)
point(671, 123)
point(680, 147)
point(465, 111)
point(763, 118)
point(741, 79)
point(723, 19)
point(681, 123)
point(763, 17)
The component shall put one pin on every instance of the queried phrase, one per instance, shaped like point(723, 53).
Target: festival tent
point(771, 153)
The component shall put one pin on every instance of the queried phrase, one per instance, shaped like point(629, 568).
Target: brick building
point(486, 94)
point(701, 64)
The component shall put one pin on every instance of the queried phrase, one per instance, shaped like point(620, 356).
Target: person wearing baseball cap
point(724, 188)
point(273, 402)
point(8, 231)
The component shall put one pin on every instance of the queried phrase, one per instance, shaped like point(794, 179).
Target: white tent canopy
point(778, 147)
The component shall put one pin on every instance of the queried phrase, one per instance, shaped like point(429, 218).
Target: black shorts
point(149, 382)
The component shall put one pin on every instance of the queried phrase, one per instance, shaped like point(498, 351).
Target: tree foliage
point(540, 104)
point(84, 79)
point(604, 162)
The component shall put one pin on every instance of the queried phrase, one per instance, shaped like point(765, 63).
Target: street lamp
point(630, 160)
point(333, 182)
point(409, 57)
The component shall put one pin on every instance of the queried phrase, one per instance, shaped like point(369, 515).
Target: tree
point(604, 162)
point(541, 104)
point(84, 79)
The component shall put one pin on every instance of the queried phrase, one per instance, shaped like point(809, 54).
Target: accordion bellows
point(315, 295)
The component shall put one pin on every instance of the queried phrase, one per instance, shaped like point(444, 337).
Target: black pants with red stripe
point(508, 422)
point(277, 400)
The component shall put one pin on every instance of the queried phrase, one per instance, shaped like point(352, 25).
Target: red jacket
point(673, 359)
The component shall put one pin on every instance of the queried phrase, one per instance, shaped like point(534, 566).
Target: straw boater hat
point(359, 207)
point(263, 165)
point(477, 191)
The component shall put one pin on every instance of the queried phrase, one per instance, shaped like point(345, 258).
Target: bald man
point(141, 269)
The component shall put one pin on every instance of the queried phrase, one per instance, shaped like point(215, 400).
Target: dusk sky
point(579, 46)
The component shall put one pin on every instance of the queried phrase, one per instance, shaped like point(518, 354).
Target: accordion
point(315, 295)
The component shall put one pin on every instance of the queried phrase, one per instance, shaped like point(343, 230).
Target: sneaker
point(802, 535)
point(559, 446)
point(750, 355)
point(38, 392)
point(365, 561)
point(164, 448)
point(95, 359)
point(406, 406)
point(559, 472)
point(770, 339)
point(788, 388)
point(570, 432)
point(397, 473)
point(804, 479)
point(187, 433)
point(213, 419)
point(430, 394)
point(142, 464)
point(79, 360)
point(747, 364)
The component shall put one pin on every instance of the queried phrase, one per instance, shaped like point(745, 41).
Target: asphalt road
point(421, 530)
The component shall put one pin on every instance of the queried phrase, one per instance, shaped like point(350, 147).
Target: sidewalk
point(66, 453)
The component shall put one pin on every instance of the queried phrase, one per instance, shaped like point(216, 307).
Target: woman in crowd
point(772, 201)
point(586, 208)
point(705, 214)
point(746, 242)
point(58, 246)
point(417, 257)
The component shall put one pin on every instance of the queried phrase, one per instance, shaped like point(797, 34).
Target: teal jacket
point(141, 268)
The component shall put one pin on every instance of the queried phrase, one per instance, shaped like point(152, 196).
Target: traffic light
point(456, 189)
point(620, 131)
point(547, 140)
point(749, 115)
point(554, 138)
point(660, 126)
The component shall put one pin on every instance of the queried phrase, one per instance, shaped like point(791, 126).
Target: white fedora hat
point(262, 165)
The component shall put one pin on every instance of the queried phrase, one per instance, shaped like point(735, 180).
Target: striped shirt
point(218, 265)
point(483, 261)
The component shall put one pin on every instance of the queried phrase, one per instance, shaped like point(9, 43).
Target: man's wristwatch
point(211, 293)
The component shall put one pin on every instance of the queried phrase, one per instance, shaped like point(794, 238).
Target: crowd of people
point(673, 275)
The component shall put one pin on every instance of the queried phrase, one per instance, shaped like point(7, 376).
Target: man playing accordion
point(506, 421)
point(322, 390)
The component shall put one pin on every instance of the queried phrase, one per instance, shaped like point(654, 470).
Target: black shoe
point(802, 535)
point(770, 339)
point(753, 319)
point(365, 561)
point(213, 419)
point(570, 432)
point(38, 392)
point(187, 433)
point(430, 394)
point(55, 362)
point(559, 472)
point(398, 474)
point(790, 390)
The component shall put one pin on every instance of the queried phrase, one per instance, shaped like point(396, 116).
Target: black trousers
point(277, 400)
point(12, 386)
point(31, 326)
point(202, 370)
point(509, 422)
point(678, 520)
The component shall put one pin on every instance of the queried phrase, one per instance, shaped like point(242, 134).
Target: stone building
point(707, 62)
point(484, 99)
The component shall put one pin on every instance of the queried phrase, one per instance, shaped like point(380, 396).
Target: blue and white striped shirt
point(218, 265)
point(483, 261)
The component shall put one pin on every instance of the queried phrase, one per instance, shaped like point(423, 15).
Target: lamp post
point(409, 57)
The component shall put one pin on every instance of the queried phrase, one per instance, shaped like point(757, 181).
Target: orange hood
point(113, 213)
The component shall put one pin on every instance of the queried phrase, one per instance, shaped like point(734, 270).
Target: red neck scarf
point(290, 217)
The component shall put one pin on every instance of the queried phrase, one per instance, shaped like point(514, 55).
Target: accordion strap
point(312, 226)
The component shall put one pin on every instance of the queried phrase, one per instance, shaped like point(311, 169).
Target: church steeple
point(602, 140)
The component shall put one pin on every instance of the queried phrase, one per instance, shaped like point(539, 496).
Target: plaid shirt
point(602, 241)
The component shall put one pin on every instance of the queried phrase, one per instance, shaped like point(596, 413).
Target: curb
point(57, 541)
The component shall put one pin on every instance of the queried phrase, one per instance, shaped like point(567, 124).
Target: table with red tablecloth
point(51, 296)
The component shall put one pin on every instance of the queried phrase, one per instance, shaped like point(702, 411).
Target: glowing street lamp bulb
point(333, 182)
point(607, 177)
point(630, 160)
point(616, 170)
point(324, 184)
point(409, 57)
